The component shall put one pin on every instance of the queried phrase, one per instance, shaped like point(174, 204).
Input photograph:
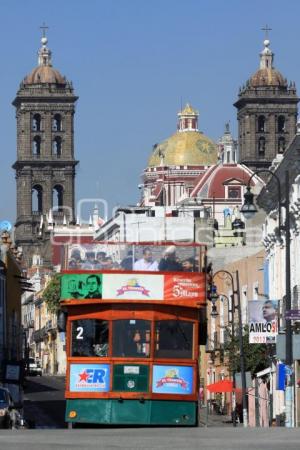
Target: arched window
point(281, 145)
point(56, 124)
point(37, 198)
point(56, 147)
point(261, 146)
point(36, 146)
point(281, 124)
point(57, 197)
point(36, 122)
point(261, 124)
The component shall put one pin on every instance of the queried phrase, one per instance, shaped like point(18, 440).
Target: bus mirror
point(62, 321)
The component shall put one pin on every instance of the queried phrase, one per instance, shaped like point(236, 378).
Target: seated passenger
point(108, 264)
point(146, 263)
point(169, 262)
point(189, 265)
point(127, 262)
point(99, 260)
point(89, 263)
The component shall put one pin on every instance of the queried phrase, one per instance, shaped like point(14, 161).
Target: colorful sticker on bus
point(89, 377)
point(172, 380)
point(121, 286)
point(80, 286)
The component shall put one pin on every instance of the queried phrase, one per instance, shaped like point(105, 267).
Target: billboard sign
point(172, 380)
point(89, 377)
point(263, 321)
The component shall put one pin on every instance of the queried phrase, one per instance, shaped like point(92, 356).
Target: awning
point(221, 386)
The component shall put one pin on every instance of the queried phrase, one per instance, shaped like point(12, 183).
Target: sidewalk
point(214, 420)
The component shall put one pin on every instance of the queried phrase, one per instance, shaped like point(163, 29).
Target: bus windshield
point(131, 338)
point(90, 337)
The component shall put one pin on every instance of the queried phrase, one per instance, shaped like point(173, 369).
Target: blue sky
point(131, 63)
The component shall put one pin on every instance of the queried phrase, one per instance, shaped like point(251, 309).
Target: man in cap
point(169, 262)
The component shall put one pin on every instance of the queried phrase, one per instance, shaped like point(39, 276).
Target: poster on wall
point(89, 377)
point(172, 380)
point(263, 321)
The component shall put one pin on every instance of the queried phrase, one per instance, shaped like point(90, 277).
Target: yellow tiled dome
point(185, 148)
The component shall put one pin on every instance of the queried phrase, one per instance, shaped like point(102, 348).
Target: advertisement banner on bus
point(172, 380)
point(263, 321)
point(89, 377)
point(81, 286)
point(187, 285)
point(133, 287)
point(122, 286)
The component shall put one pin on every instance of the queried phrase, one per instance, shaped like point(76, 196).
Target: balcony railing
point(40, 335)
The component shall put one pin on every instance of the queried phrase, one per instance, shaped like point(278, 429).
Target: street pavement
point(45, 408)
point(44, 403)
point(152, 438)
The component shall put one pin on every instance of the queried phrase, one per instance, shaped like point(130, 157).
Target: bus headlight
point(72, 414)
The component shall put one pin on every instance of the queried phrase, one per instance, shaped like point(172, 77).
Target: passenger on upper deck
point(90, 262)
point(169, 262)
point(189, 265)
point(146, 263)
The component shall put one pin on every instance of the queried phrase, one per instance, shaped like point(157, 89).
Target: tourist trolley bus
point(133, 325)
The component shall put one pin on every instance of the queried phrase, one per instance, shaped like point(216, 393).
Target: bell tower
point(266, 113)
point(45, 165)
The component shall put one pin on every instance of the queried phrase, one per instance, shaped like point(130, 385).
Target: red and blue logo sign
point(133, 285)
point(89, 377)
point(172, 380)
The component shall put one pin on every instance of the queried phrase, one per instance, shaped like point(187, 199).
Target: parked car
point(6, 406)
point(34, 367)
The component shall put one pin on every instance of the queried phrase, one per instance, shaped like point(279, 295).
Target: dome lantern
point(44, 73)
point(188, 119)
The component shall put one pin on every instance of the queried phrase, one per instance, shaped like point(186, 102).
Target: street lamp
point(249, 209)
point(236, 291)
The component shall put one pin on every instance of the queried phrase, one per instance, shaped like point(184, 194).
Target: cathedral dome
point(44, 74)
point(267, 77)
point(187, 146)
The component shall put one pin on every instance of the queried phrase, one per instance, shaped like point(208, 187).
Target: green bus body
point(132, 412)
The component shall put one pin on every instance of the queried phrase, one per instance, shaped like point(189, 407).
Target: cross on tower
point(44, 27)
point(266, 29)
